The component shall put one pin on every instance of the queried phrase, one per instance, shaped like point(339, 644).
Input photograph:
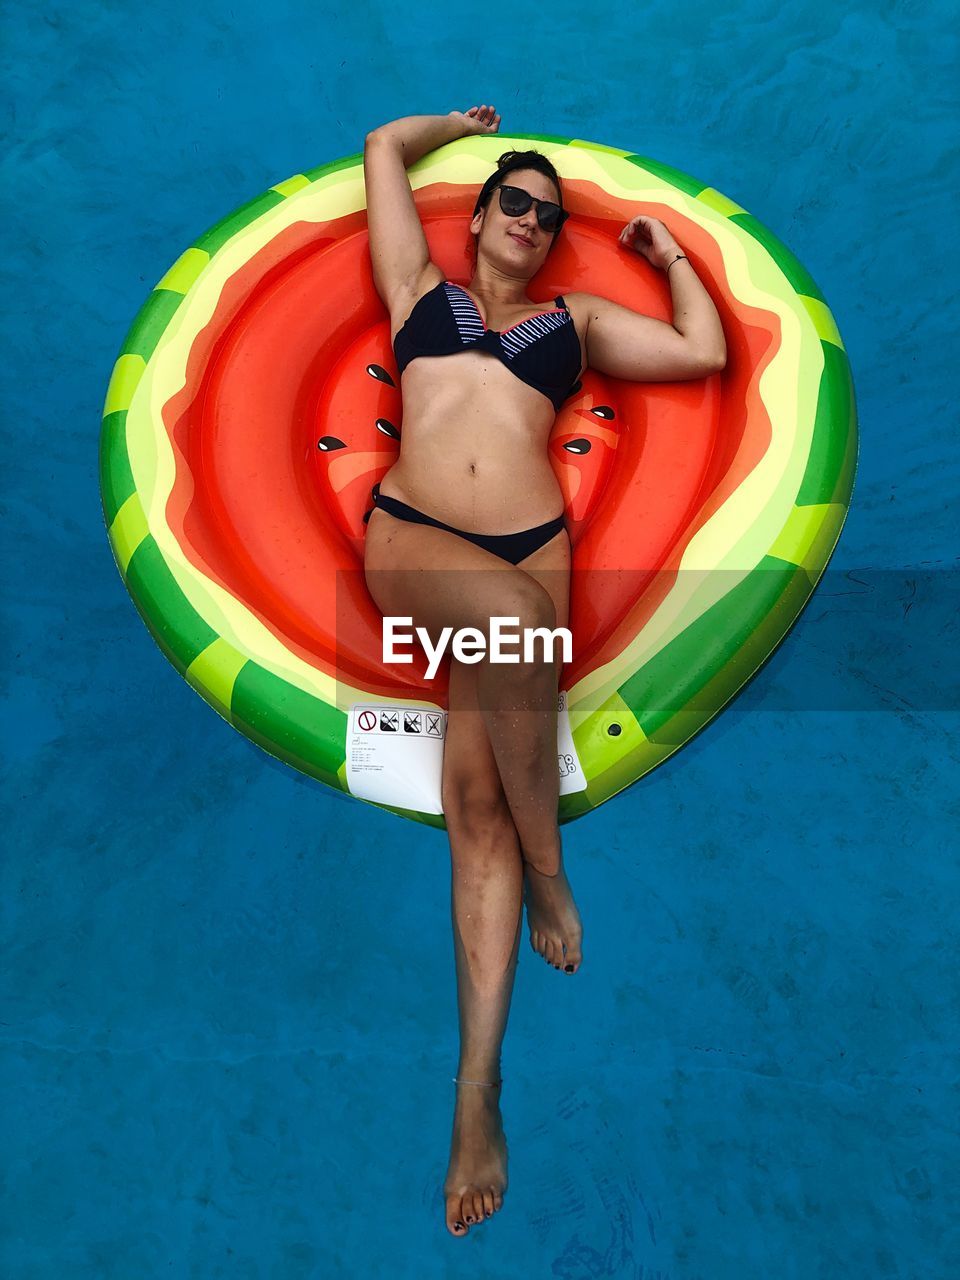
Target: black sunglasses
point(514, 201)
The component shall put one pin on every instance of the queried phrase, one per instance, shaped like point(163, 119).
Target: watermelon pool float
point(256, 401)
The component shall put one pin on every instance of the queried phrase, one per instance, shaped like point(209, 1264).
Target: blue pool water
point(228, 998)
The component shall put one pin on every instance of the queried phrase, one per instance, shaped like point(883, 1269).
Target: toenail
point(568, 969)
point(469, 1219)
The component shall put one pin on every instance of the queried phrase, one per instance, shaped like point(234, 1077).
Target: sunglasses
point(514, 201)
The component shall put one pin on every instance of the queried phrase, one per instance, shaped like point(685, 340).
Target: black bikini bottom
point(512, 547)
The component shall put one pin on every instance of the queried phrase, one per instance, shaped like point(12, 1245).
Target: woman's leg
point(487, 910)
point(556, 931)
point(448, 582)
point(487, 881)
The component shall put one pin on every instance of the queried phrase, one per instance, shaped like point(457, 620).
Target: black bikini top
point(543, 351)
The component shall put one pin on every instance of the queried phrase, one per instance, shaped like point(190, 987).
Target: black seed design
point(603, 411)
point(388, 429)
point(578, 446)
point(379, 372)
point(328, 443)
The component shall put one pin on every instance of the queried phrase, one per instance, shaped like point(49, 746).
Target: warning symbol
point(367, 721)
point(389, 721)
point(434, 725)
point(412, 722)
point(566, 763)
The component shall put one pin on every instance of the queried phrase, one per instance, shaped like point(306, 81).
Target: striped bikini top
point(543, 351)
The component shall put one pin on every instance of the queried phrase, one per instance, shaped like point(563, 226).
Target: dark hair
point(508, 162)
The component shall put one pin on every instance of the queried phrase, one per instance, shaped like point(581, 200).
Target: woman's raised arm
point(398, 248)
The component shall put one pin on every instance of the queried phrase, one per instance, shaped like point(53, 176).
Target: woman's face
point(501, 237)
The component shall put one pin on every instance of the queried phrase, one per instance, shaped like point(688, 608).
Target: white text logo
point(469, 644)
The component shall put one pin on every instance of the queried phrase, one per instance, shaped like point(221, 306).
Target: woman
point(468, 525)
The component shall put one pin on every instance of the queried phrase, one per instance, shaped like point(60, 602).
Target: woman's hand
point(477, 120)
point(651, 238)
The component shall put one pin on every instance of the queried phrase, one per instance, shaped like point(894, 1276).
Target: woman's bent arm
point(628, 344)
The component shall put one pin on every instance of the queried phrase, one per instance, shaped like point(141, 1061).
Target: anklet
point(487, 1084)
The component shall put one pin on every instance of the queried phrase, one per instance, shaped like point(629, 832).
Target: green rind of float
point(346, 162)
point(716, 200)
point(609, 760)
point(673, 726)
point(116, 478)
point(127, 531)
point(213, 673)
point(185, 271)
point(822, 319)
point(573, 806)
point(227, 227)
point(606, 735)
point(790, 599)
point(124, 380)
point(666, 173)
point(800, 278)
point(809, 536)
point(598, 146)
point(684, 685)
point(170, 617)
point(832, 460)
point(435, 820)
point(150, 322)
point(290, 186)
point(290, 723)
point(619, 775)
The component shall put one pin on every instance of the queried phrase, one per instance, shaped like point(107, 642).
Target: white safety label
point(395, 755)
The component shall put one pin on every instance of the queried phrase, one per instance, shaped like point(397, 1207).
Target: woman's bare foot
point(477, 1173)
point(555, 929)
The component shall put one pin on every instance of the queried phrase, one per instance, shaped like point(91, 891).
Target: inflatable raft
point(255, 402)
